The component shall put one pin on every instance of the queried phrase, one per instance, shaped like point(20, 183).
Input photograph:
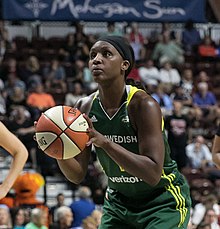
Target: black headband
point(123, 47)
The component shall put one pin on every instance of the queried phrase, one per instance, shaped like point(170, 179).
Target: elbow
point(153, 180)
point(75, 179)
point(25, 155)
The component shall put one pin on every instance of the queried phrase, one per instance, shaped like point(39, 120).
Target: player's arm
point(19, 153)
point(216, 149)
point(145, 115)
point(75, 168)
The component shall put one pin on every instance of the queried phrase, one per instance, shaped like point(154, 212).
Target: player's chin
point(97, 77)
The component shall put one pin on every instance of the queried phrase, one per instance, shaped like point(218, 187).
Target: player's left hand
point(95, 137)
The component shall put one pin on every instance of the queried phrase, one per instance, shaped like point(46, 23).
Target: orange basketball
point(61, 132)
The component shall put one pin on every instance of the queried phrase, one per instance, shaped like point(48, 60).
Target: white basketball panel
point(56, 115)
point(70, 148)
point(80, 124)
point(44, 139)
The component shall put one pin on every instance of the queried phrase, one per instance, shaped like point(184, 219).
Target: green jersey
point(119, 130)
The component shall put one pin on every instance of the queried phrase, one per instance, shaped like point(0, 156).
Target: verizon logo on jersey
point(123, 179)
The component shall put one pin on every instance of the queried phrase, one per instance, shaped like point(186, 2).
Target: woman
point(145, 189)
point(19, 153)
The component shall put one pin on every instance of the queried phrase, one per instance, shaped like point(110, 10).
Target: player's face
point(105, 62)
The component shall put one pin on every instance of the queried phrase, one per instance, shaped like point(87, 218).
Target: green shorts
point(170, 209)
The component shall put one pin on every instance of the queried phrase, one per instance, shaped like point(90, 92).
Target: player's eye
point(92, 55)
point(107, 54)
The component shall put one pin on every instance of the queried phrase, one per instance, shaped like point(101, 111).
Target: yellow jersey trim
point(132, 91)
point(176, 193)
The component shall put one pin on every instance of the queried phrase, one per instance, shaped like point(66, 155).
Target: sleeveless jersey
point(119, 130)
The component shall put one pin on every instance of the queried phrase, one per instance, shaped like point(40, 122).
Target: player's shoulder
point(84, 104)
point(142, 98)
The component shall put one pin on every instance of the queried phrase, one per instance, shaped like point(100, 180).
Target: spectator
point(83, 75)
point(73, 96)
point(163, 99)
point(12, 82)
point(18, 218)
point(68, 50)
point(55, 76)
point(53, 210)
point(39, 101)
point(179, 95)
point(32, 67)
point(83, 206)
point(187, 82)
point(211, 218)
point(177, 126)
point(64, 218)
point(204, 226)
point(190, 37)
point(82, 46)
point(134, 74)
point(136, 40)
point(92, 221)
point(149, 75)
point(5, 217)
point(167, 50)
point(207, 49)
point(205, 103)
point(199, 154)
point(209, 201)
point(5, 43)
point(38, 219)
point(169, 76)
point(112, 30)
point(202, 77)
point(17, 97)
point(8, 67)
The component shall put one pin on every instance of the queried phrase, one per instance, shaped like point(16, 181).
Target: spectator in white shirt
point(169, 76)
point(199, 154)
point(149, 74)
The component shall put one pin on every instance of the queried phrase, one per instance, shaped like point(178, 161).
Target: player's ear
point(125, 65)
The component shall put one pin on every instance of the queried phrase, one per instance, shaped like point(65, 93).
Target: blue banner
point(105, 10)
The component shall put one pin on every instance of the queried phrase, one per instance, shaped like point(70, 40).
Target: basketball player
point(19, 153)
point(216, 148)
point(145, 188)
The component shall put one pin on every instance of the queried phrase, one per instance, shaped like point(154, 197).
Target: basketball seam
point(58, 135)
point(68, 126)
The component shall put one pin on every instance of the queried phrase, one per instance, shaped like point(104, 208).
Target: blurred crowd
point(179, 69)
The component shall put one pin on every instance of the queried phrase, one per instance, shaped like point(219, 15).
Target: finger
point(35, 124)
point(89, 143)
point(88, 120)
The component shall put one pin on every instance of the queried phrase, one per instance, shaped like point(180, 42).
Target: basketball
point(61, 132)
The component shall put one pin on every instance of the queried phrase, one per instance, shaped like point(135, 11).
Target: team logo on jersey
point(125, 119)
point(94, 119)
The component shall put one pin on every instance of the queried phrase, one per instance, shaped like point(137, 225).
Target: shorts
point(168, 210)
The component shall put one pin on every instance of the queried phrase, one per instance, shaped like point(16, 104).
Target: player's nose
point(97, 58)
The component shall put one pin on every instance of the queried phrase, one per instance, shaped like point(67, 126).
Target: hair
point(84, 192)
point(36, 213)
point(61, 212)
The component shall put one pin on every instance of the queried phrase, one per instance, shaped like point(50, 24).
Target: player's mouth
point(97, 71)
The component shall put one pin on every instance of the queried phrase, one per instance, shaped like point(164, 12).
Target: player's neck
point(112, 99)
